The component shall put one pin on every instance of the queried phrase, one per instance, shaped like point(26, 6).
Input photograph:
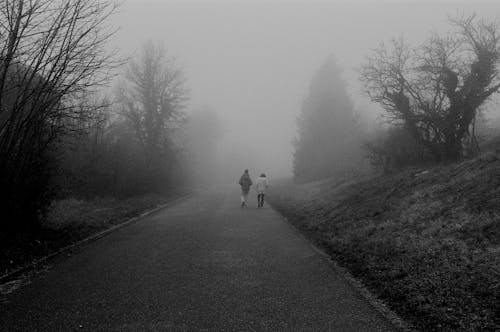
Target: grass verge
point(71, 220)
point(426, 242)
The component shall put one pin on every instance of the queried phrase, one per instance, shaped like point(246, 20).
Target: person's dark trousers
point(260, 200)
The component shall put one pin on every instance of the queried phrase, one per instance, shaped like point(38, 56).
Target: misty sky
point(252, 61)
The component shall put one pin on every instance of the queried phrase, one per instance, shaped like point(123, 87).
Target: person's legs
point(244, 196)
point(261, 200)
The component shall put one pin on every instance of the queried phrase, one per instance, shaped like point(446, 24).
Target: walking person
point(245, 183)
point(261, 186)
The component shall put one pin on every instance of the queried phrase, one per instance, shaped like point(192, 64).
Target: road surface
point(204, 264)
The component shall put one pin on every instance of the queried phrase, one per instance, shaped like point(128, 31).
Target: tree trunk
point(452, 149)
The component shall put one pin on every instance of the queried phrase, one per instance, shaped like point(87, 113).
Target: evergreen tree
point(327, 138)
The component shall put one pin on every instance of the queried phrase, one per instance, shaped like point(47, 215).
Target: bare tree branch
point(436, 89)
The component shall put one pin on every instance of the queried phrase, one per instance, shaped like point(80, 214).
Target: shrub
point(394, 148)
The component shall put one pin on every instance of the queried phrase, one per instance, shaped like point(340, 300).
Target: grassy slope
point(426, 243)
point(69, 221)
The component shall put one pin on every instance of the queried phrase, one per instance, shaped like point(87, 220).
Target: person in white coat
point(260, 187)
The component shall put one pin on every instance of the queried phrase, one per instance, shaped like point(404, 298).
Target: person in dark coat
point(245, 183)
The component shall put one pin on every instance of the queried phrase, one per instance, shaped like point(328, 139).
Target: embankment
point(425, 241)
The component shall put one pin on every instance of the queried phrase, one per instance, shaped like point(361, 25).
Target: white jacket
point(261, 185)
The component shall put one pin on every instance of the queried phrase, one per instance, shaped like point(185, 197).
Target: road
point(204, 264)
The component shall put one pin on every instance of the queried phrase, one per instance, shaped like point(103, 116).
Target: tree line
point(431, 96)
point(63, 133)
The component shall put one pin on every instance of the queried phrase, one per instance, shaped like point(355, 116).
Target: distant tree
point(151, 98)
point(436, 89)
point(204, 133)
point(85, 159)
point(327, 141)
point(52, 55)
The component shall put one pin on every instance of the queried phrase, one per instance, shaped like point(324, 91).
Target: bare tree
point(152, 97)
point(435, 90)
point(52, 54)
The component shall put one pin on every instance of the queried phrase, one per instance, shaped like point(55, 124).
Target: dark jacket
point(245, 182)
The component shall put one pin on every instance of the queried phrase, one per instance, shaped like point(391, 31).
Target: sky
point(252, 61)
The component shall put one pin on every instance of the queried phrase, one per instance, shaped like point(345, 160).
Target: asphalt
point(204, 264)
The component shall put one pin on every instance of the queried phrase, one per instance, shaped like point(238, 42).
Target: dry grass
point(428, 243)
point(70, 220)
point(99, 213)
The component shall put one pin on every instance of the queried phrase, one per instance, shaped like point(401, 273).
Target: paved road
point(204, 264)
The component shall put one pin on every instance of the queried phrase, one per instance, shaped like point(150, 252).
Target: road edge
point(377, 304)
point(94, 237)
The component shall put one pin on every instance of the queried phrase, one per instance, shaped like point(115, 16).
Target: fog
point(252, 61)
point(376, 123)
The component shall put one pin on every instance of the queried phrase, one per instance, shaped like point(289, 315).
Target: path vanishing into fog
point(203, 264)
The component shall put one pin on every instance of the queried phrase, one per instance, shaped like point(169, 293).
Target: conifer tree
point(326, 144)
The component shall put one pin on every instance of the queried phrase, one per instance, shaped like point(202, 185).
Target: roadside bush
point(25, 194)
point(394, 148)
point(107, 160)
